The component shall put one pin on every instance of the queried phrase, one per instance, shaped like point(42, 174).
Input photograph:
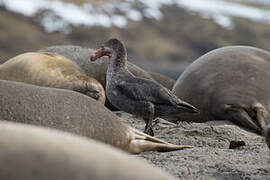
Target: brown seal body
point(51, 70)
point(73, 112)
point(34, 153)
point(231, 83)
point(97, 70)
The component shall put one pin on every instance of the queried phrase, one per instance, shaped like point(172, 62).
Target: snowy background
point(62, 14)
point(161, 35)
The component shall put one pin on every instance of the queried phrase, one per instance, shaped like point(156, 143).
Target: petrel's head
point(112, 47)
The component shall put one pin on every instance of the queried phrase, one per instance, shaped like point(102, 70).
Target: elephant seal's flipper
point(239, 116)
point(254, 117)
point(267, 136)
point(262, 116)
point(140, 142)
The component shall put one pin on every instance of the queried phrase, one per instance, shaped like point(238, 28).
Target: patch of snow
point(129, 11)
point(67, 13)
point(153, 13)
point(219, 10)
point(224, 21)
point(101, 20)
point(213, 8)
point(134, 15)
point(152, 7)
point(26, 7)
point(52, 23)
point(58, 15)
point(119, 21)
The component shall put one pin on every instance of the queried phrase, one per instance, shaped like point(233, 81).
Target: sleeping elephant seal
point(230, 83)
point(97, 70)
point(51, 70)
point(75, 113)
point(33, 153)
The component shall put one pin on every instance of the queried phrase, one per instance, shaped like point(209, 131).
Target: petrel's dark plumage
point(139, 96)
point(147, 90)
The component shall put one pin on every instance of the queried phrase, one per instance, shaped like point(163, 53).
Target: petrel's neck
point(119, 58)
point(117, 66)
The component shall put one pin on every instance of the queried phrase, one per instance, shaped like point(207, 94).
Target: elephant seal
point(97, 70)
point(73, 112)
point(33, 153)
point(51, 70)
point(230, 83)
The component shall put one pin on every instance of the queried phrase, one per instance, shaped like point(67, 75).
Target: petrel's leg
point(149, 116)
point(148, 127)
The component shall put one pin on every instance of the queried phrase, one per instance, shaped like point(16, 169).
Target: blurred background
point(161, 35)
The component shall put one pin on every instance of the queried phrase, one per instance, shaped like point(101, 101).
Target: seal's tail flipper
point(263, 119)
point(140, 142)
point(256, 118)
point(241, 117)
point(262, 116)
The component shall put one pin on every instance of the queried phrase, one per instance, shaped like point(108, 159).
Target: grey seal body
point(73, 112)
point(51, 70)
point(135, 95)
point(34, 153)
point(163, 80)
point(231, 83)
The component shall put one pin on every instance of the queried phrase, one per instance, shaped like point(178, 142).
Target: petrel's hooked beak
point(103, 51)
